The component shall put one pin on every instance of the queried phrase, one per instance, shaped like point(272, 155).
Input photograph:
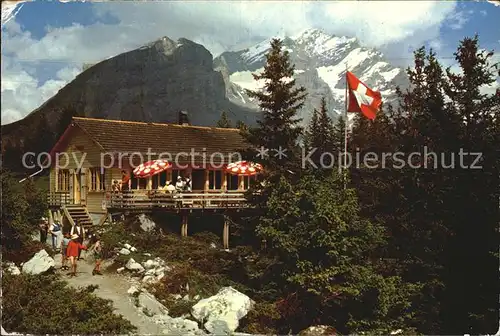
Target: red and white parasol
point(244, 168)
point(151, 168)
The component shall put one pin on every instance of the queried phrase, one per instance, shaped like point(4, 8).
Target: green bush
point(179, 308)
point(262, 319)
point(45, 305)
point(174, 282)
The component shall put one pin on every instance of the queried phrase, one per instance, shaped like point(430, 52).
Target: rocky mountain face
point(155, 82)
point(320, 62)
point(152, 83)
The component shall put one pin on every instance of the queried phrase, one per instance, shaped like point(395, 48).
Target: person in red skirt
point(72, 252)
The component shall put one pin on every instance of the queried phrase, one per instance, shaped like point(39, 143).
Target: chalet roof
point(131, 136)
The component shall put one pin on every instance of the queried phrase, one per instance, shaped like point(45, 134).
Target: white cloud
point(22, 92)
point(217, 25)
point(459, 19)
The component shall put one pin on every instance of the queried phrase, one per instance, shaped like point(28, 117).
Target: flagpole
point(345, 130)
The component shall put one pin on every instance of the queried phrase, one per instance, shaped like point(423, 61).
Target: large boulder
point(146, 223)
point(149, 303)
point(40, 263)
point(319, 330)
point(222, 312)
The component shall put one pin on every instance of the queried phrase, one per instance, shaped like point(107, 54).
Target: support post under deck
point(225, 233)
point(184, 225)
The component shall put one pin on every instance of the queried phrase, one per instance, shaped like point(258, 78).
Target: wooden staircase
point(75, 212)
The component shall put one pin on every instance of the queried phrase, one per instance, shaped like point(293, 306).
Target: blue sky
point(45, 45)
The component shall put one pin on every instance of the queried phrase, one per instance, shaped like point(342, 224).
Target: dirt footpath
point(112, 287)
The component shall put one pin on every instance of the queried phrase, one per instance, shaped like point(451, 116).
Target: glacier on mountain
point(321, 61)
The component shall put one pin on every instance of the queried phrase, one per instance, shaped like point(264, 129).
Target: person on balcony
point(125, 180)
point(179, 186)
point(187, 185)
point(124, 186)
point(169, 187)
point(116, 186)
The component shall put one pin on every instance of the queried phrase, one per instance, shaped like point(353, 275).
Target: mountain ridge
point(321, 61)
point(156, 81)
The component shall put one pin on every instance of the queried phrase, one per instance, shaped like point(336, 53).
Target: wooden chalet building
point(103, 148)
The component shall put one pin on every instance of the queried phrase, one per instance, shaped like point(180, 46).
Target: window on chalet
point(247, 181)
point(232, 182)
point(175, 174)
point(63, 180)
point(159, 180)
point(214, 179)
point(97, 180)
point(138, 183)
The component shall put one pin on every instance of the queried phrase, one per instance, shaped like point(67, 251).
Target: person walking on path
point(80, 231)
point(64, 246)
point(72, 252)
point(97, 249)
point(55, 229)
point(44, 228)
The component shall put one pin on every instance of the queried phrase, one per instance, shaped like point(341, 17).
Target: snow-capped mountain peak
point(321, 61)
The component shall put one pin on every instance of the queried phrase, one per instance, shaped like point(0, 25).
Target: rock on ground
point(124, 251)
point(40, 263)
point(12, 269)
point(134, 266)
point(222, 312)
point(152, 306)
point(6, 333)
point(178, 325)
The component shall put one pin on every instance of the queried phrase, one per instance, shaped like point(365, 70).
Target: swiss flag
point(362, 98)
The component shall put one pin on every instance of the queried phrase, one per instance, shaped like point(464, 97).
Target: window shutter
point(83, 181)
point(71, 184)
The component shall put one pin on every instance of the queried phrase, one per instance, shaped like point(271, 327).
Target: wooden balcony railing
point(59, 198)
point(185, 200)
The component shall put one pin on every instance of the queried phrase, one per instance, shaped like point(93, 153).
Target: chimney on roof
point(183, 118)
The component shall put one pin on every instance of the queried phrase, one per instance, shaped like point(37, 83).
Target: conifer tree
point(310, 131)
point(224, 121)
point(320, 137)
point(279, 127)
point(36, 201)
point(328, 258)
point(431, 213)
point(338, 138)
point(15, 229)
point(475, 194)
point(241, 126)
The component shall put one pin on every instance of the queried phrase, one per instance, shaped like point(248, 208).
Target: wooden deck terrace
point(160, 201)
point(157, 200)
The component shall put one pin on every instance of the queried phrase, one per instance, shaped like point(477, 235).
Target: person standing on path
point(44, 228)
point(72, 252)
point(97, 256)
point(55, 229)
point(80, 231)
point(64, 247)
